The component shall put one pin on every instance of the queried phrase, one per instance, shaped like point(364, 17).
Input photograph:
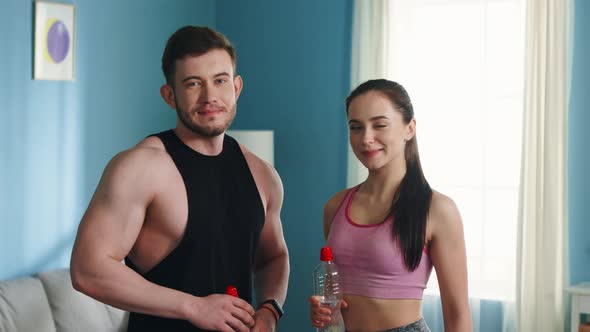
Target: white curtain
point(462, 63)
point(542, 213)
point(370, 45)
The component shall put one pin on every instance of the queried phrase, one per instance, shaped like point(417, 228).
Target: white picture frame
point(55, 42)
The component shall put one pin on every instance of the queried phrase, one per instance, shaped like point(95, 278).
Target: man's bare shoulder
point(147, 156)
point(151, 142)
point(150, 148)
point(260, 167)
point(267, 180)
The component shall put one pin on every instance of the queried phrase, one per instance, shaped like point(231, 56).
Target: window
point(462, 64)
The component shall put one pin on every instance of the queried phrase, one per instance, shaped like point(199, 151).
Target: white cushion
point(24, 306)
point(74, 311)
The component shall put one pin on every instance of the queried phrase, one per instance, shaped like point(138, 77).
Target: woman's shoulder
point(331, 207)
point(441, 201)
point(335, 201)
point(443, 212)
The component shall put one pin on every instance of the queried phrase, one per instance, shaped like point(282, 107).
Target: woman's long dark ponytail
point(411, 201)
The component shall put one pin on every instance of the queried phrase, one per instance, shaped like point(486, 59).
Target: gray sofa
point(47, 302)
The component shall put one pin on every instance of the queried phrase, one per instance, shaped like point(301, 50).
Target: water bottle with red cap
point(328, 287)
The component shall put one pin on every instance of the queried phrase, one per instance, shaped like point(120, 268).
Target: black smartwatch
point(275, 305)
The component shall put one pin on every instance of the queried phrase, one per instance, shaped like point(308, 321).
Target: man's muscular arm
point(107, 233)
point(272, 258)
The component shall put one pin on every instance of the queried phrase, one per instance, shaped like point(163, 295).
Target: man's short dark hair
point(193, 41)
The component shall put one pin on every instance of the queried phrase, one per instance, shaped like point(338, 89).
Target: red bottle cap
point(326, 254)
point(231, 290)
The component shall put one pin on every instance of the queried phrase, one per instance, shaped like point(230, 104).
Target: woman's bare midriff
point(366, 314)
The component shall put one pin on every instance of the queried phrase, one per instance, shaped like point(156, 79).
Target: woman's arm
point(321, 315)
point(447, 251)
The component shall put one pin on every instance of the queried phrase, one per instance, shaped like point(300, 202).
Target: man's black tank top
point(225, 218)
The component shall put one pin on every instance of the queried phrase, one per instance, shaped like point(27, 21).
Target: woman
point(388, 232)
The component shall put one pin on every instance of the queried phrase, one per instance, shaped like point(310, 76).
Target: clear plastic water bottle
point(327, 286)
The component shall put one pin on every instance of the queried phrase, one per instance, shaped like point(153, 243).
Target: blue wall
point(56, 137)
point(295, 60)
point(578, 151)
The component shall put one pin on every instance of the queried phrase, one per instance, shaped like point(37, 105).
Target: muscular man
point(190, 210)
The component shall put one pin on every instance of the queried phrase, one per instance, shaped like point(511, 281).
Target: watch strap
point(273, 313)
point(275, 304)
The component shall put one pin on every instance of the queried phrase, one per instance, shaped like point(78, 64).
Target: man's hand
point(264, 320)
point(223, 313)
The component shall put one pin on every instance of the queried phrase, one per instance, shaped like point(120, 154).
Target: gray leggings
point(417, 326)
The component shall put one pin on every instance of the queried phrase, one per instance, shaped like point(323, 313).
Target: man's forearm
point(271, 279)
point(117, 285)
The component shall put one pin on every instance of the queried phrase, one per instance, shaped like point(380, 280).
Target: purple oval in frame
point(58, 41)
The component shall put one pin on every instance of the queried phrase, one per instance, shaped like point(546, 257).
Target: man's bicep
point(115, 215)
point(272, 242)
point(111, 228)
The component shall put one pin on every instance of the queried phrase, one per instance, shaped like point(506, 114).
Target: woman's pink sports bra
point(370, 261)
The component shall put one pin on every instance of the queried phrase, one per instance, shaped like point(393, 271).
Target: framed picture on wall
point(54, 47)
